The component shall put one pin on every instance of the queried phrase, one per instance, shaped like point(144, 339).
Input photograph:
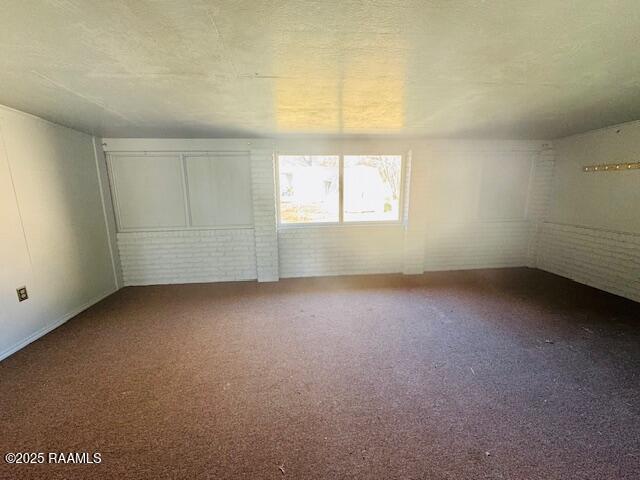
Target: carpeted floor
point(497, 374)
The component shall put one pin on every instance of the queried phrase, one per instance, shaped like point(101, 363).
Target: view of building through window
point(310, 188)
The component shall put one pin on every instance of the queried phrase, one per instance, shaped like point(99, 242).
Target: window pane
point(308, 188)
point(372, 187)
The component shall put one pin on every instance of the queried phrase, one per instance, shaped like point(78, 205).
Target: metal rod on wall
point(611, 167)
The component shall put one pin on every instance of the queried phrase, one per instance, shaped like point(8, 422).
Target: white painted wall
point(340, 250)
point(481, 203)
point(467, 205)
point(607, 200)
point(592, 233)
point(54, 236)
point(194, 210)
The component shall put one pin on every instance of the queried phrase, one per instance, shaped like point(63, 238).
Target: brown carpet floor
point(497, 374)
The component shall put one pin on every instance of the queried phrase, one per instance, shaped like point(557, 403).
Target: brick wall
point(605, 259)
point(187, 256)
point(267, 251)
point(451, 246)
point(539, 199)
point(421, 243)
point(340, 250)
point(470, 244)
point(415, 221)
point(264, 215)
point(591, 232)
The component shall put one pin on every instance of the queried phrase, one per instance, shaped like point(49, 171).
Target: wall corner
point(107, 209)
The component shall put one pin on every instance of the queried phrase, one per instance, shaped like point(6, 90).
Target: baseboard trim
point(52, 326)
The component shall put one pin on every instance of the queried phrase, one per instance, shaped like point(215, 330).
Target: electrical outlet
point(22, 294)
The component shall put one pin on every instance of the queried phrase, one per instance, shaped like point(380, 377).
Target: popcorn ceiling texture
point(254, 68)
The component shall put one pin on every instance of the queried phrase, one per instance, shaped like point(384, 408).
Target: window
point(372, 188)
point(333, 188)
point(309, 191)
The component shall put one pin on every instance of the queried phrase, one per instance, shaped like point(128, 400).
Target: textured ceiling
point(438, 68)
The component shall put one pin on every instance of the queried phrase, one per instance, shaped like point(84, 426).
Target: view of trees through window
point(371, 188)
point(310, 188)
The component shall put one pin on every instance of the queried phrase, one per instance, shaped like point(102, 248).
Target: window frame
point(341, 222)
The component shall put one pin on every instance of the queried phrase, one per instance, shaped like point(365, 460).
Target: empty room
point(304, 239)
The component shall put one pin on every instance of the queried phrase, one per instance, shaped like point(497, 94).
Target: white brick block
point(341, 250)
point(459, 246)
point(264, 215)
point(539, 199)
point(187, 256)
point(603, 259)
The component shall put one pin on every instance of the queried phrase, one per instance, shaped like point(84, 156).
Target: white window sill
point(295, 226)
